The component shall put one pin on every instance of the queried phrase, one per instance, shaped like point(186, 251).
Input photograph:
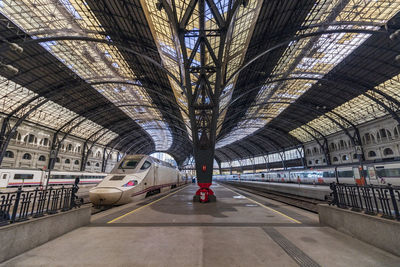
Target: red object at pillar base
point(205, 192)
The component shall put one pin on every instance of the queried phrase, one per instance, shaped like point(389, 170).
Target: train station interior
point(199, 132)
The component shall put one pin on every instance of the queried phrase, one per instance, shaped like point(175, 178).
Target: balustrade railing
point(22, 205)
point(381, 200)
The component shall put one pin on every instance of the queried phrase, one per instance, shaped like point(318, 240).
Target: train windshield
point(129, 164)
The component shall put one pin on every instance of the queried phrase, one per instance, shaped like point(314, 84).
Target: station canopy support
point(203, 33)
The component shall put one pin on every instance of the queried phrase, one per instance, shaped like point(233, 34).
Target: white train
point(28, 177)
point(133, 178)
point(374, 173)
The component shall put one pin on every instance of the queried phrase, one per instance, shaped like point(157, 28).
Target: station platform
point(240, 229)
point(320, 192)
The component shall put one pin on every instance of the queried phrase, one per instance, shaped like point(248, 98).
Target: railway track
point(296, 201)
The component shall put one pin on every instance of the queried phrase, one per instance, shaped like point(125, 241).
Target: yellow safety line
point(126, 214)
point(268, 208)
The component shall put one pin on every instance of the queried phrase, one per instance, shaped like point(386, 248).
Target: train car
point(384, 174)
point(347, 174)
point(133, 178)
point(29, 177)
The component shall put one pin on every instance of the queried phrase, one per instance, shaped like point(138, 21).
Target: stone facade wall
point(380, 141)
point(31, 148)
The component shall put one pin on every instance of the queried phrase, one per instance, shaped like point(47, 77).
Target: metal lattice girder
point(202, 71)
point(203, 68)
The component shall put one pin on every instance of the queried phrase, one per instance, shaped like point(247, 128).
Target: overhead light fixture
point(16, 48)
point(395, 36)
point(13, 46)
point(8, 68)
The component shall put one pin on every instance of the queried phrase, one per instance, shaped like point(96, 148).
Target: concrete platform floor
point(238, 230)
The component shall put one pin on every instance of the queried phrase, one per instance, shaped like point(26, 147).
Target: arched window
point(27, 156)
point(9, 154)
point(345, 157)
point(97, 164)
point(19, 137)
point(368, 138)
point(332, 146)
point(45, 142)
point(309, 162)
point(335, 159)
point(387, 152)
point(396, 131)
point(76, 162)
point(78, 149)
point(315, 150)
point(31, 138)
point(67, 161)
point(98, 154)
point(58, 160)
point(42, 158)
point(69, 147)
point(354, 156)
point(384, 134)
point(110, 156)
point(316, 161)
point(323, 160)
point(88, 163)
point(342, 144)
point(371, 154)
point(308, 151)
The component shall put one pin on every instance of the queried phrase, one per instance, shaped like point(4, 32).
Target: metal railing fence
point(22, 205)
point(381, 200)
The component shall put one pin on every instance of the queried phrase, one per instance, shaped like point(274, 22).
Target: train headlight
point(130, 183)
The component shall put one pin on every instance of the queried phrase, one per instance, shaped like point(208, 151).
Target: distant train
point(29, 177)
point(133, 178)
point(384, 173)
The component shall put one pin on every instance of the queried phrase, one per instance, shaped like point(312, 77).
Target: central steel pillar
point(202, 74)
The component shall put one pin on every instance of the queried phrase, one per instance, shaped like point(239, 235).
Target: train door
point(358, 176)
point(43, 178)
point(5, 176)
point(373, 178)
point(156, 169)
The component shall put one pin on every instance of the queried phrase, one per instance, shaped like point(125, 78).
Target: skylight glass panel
point(169, 46)
point(314, 57)
point(50, 114)
point(93, 62)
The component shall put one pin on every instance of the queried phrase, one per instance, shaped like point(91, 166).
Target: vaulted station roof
point(110, 71)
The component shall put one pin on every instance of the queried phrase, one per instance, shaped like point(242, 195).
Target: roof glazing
point(312, 58)
point(99, 63)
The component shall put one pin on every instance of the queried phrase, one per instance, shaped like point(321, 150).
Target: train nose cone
point(105, 196)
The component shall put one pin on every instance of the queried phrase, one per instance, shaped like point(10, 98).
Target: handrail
point(22, 205)
point(383, 200)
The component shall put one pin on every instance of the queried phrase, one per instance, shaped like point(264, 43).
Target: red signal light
point(204, 168)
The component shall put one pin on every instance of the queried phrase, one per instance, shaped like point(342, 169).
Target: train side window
point(345, 173)
point(23, 176)
point(146, 165)
point(5, 176)
point(129, 164)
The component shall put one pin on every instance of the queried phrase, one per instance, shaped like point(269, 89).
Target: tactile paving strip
point(299, 256)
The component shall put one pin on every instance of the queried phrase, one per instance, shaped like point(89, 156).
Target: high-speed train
point(376, 173)
point(29, 177)
point(133, 178)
